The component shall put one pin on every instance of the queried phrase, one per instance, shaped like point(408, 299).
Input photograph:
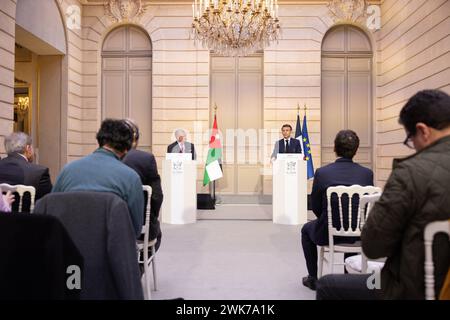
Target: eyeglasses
point(408, 141)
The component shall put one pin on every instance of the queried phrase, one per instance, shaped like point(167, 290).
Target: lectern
point(289, 190)
point(179, 179)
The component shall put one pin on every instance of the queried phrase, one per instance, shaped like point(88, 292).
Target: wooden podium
point(290, 197)
point(179, 181)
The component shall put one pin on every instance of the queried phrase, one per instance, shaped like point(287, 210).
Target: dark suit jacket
point(14, 169)
point(36, 252)
point(280, 147)
point(145, 165)
point(100, 226)
point(342, 172)
point(170, 148)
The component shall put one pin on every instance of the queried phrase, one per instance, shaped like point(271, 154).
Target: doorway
point(237, 89)
point(347, 91)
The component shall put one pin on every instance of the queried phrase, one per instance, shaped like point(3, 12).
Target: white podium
point(290, 197)
point(179, 175)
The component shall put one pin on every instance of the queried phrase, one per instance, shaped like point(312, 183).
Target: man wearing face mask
point(103, 170)
point(415, 195)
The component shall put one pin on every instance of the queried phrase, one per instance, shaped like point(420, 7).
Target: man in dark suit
point(342, 172)
point(17, 167)
point(144, 164)
point(287, 144)
point(181, 145)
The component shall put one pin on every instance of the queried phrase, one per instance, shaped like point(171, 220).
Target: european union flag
point(307, 150)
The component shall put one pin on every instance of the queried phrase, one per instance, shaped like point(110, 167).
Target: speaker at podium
point(179, 184)
point(290, 199)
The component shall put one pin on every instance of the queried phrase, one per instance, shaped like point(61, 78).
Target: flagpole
point(214, 182)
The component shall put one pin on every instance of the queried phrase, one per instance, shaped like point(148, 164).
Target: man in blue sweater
point(103, 171)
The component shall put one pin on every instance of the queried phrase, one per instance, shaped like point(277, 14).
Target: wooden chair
point(20, 190)
point(143, 246)
point(359, 264)
point(431, 230)
point(350, 191)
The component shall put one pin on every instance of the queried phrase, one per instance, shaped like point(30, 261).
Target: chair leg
point(146, 284)
point(154, 268)
point(331, 263)
point(321, 257)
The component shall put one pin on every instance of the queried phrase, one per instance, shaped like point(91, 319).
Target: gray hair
point(180, 132)
point(17, 142)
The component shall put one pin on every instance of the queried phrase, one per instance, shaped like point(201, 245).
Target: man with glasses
point(416, 194)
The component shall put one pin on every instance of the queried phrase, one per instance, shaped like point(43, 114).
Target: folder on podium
point(290, 199)
point(179, 184)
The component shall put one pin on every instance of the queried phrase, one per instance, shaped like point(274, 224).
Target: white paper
point(179, 156)
point(214, 171)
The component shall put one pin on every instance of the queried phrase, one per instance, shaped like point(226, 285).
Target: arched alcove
point(347, 90)
point(127, 79)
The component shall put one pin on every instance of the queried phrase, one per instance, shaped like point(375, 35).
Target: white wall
point(414, 54)
point(7, 34)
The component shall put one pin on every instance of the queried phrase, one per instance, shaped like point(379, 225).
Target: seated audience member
point(5, 201)
point(17, 167)
point(343, 172)
point(103, 170)
point(144, 164)
point(416, 194)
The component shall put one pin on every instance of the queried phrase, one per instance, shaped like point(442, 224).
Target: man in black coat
point(287, 144)
point(17, 167)
point(343, 172)
point(144, 164)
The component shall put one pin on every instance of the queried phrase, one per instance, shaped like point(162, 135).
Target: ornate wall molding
point(124, 10)
point(348, 10)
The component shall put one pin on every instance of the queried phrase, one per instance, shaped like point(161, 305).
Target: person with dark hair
point(343, 172)
point(287, 144)
point(144, 164)
point(103, 170)
point(415, 195)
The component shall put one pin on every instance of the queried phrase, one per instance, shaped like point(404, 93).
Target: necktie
point(286, 147)
point(182, 148)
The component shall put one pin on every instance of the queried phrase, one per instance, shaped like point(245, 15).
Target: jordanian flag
point(212, 168)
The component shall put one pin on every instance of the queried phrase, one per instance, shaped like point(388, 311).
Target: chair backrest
point(146, 226)
point(100, 225)
point(20, 190)
point(366, 203)
point(431, 230)
point(350, 191)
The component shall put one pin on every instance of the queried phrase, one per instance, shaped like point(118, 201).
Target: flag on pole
point(307, 150)
point(298, 130)
point(212, 168)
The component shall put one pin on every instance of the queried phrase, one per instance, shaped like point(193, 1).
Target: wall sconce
point(23, 104)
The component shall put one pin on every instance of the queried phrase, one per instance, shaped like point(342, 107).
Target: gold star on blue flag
point(307, 149)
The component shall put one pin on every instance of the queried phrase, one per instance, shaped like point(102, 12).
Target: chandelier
point(235, 27)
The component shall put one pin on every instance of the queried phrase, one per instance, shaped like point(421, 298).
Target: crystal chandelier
point(235, 27)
